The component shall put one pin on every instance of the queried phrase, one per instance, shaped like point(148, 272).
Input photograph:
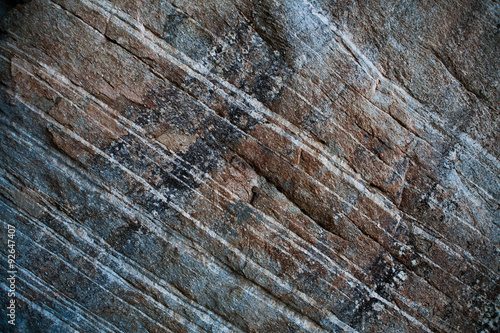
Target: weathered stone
point(256, 166)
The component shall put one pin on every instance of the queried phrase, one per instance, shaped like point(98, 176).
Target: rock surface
point(254, 166)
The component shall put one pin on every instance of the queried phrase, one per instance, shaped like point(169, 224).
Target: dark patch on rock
point(240, 118)
point(126, 237)
point(202, 156)
point(173, 179)
point(383, 275)
point(165, 107)
point(267, 20)
point(186, 35)
point(224, 132)
point(423, 269)
point(171, 25)
point(7, 5)
point(263, 88)
point(364, 313)
point(242, 58)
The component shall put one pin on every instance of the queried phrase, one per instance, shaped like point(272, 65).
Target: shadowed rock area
point(250, 166)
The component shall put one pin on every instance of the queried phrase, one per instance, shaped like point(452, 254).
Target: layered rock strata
point(251, 166)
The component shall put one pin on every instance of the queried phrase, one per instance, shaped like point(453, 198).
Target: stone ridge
point(251, 166)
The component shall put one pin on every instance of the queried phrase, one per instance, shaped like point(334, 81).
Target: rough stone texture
point(261, 166)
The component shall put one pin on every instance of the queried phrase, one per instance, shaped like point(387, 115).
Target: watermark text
point(11, 274)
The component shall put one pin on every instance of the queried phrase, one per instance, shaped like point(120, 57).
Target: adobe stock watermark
point(12, 271)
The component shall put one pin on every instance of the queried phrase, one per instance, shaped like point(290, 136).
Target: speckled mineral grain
point(249, 166)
